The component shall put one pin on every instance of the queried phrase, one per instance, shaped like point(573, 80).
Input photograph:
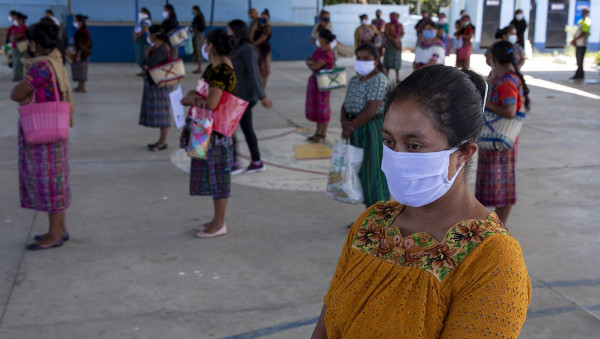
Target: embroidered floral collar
point(378, 238)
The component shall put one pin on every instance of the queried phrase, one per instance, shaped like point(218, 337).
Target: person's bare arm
point(508, 111)
point(21, 93)
point(320, 332)
point(210, 102)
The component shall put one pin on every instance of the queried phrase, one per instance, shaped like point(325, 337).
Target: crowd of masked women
point(434, 262)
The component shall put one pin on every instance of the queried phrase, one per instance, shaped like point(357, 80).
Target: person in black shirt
point(197, 28)
point(520, 25)
point(170, 23)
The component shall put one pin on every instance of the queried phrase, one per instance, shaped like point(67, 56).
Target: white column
point(507, 12)
point(540, 21)
point(595, 16)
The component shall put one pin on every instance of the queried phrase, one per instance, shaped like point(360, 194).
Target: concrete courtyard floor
point(133, 268)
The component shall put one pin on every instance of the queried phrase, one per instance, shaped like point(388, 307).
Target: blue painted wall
point(115, 43)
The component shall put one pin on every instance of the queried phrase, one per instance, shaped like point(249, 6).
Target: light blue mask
point(428, 34)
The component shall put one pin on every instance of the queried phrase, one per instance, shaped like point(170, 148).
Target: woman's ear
point(465, 153)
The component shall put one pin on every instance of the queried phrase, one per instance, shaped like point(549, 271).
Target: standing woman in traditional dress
point(18, 33)
point(155, 100)
point(430, 49)
point(362, 120)
point(496, 178)
point(140, 36)
point(366, 32)
point(212, 176)
point(466, 33)
point(44, 168)
point(170, 24)
point(394, 31)
point(197, 29)
point(318, 108)
point(261, 37)
point(83, 50)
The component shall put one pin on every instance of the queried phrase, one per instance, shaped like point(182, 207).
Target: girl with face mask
point(140, 36)
point(465, 34)
point(362, 119)
point(411, 268)
point(318, 107)
point(212, 176)
point(394, 32)
point(430, 50)
point(496, 177)
point(366, 32)
point(155, 106)
point(509, 34)
point(520, 25)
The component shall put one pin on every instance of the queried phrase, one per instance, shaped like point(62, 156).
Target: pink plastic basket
point(46, 122)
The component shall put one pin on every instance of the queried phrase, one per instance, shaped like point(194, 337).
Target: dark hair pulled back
point(503, 31)
point(373, 50)
point(81, 18)
point(21, 16)
point(45, 34)
point(171, 11)
point(160, 33)
point(327, 35)
point(147, 11)
point(503, 51)
point(452, 98)
point(240, 31)
point(221, 41)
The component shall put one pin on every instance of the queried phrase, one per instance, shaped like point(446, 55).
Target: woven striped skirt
point(496, 184)
point(370, 139)
point(317, 106)
point(17, 65)
point(155, 108)
point(79, 70)
point(44, 176)
point(212, 176)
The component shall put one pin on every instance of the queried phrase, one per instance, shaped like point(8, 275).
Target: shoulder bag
point(499, 133)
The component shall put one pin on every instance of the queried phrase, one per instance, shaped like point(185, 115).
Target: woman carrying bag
point(212, 176)
point(155, 100)
point(44, 168)
point(362, 120)
point(496, 177)
point(318, 108)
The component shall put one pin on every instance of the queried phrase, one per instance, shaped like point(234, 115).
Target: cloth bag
point(344, 184)
point(178, 37)
point(499, 133)
point(46, 122)
point(195, 137)
point(168, 73)
point(328, 79)
point(188, 47)
point(228, 113)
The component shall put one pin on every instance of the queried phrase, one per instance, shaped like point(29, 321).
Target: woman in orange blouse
point(434, 263)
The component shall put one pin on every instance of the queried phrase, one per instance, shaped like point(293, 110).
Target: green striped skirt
point(370, 139)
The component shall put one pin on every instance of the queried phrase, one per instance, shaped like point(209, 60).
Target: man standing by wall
point(581, 40)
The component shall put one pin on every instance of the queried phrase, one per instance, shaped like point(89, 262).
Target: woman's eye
point(414, 147)
point(389, 143)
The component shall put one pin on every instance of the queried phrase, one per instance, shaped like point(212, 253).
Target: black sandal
point(316, 138)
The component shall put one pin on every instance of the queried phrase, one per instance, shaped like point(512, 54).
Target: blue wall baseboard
point(115, 43)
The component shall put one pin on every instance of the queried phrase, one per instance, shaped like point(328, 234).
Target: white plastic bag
point(344, 184)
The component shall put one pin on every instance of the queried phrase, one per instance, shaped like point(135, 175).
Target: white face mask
point(142, 16)
point(442, 21)
point(149, 41)
point(318, 43)
point(10, 19)
point(205, 54)
point(76, 25)
point(512, 39)
point(417, 179)
point(165, 14)
point(365, 22)
point(364, 67)
point(333, 43)
point(519, 17)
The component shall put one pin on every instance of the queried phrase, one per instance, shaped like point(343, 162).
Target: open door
point(490, 22)
point(558, 18)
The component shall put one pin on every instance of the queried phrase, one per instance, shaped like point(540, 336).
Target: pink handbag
point(46, 122)
point(228, 113)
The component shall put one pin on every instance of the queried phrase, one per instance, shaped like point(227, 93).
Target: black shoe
point(155, 149)
point(36, 247)
point(575, 77)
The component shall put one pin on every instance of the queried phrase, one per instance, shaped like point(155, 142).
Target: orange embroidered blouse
point(473, 284)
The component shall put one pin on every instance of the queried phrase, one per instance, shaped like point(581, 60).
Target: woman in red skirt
point(496, 178)
point(318, 108)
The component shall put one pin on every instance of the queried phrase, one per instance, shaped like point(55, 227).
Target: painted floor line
point(569, 283)
point(273, 329)
point(559, 310)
